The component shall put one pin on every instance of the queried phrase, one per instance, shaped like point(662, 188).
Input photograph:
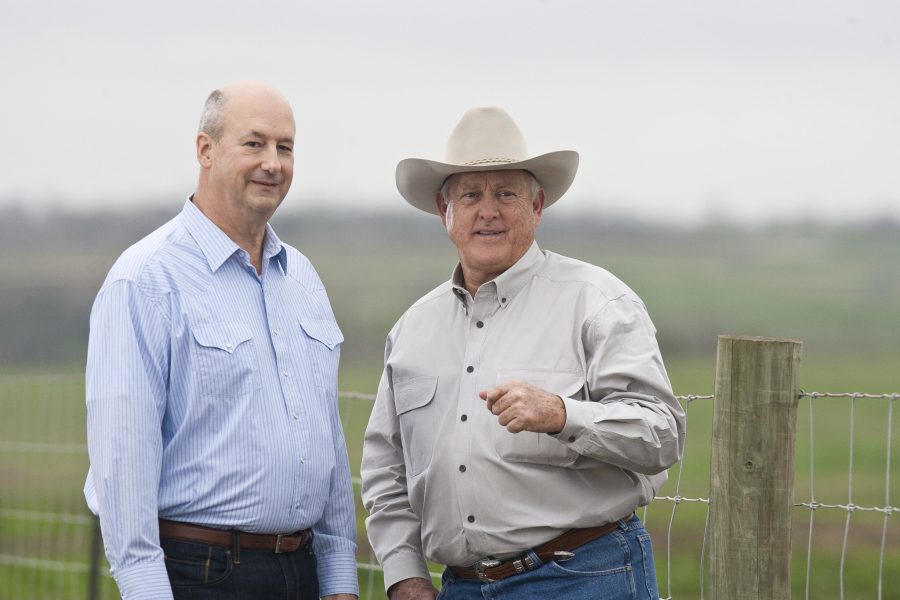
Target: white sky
point(681, 110)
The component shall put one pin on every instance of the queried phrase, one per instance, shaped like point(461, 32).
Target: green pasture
point(49, 410)
point(834, 288)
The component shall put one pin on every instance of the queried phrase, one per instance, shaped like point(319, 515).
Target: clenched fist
point(521, 406)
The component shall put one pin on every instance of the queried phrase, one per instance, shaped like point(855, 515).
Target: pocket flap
point(323, 330)
point(565, 384)
point(224, 336)
point(414, 393)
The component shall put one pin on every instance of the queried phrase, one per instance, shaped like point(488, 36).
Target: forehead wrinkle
point(492, 179)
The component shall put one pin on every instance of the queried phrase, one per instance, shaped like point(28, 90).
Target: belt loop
point(236, 545)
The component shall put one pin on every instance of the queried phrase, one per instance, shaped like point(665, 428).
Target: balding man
point(218, 464)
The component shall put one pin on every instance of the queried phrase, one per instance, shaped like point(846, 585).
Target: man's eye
point(252, 144)
point(286, 149)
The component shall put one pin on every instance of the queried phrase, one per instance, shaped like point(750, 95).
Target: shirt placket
point(281, 334)
point(470, 407)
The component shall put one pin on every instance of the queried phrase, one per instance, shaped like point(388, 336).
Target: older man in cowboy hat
point(524, 411)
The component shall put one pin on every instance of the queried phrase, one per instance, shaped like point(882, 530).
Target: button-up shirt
point(443, 480)
point(212, 399)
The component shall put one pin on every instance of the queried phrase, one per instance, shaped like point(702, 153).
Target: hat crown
point(486, 136)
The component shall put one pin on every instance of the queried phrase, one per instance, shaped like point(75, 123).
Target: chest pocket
point(538, 448)
point(413, 400)
point(323, 338)
point(226, 359)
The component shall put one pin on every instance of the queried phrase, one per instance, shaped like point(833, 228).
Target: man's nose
point(270, 160)
point(489, 207)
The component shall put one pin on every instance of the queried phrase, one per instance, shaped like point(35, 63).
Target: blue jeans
point(617, 566)
point(206, 572)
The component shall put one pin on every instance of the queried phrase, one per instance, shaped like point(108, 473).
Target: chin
point(264, 204)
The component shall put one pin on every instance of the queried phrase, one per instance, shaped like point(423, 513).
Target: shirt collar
point(215, 244)
point(273, 248)
point(510, 282)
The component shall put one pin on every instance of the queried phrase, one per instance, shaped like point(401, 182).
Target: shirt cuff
point(144, 581)
point(337, 574)
point(404, 565)
point(580, 416)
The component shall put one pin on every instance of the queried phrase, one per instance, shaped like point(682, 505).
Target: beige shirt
point(443, 479)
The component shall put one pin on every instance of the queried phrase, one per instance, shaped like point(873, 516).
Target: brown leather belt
point(559, 549)
point(279, 544)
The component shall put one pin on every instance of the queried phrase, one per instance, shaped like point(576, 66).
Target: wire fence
point(50, 547)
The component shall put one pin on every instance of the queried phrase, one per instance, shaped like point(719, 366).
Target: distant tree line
point(827, 284)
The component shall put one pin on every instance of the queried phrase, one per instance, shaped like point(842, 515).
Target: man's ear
point(204, 149)
point(442, 207)
point(538, 203)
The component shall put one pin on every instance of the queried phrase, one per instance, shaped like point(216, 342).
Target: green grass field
point(47, 479)
point(835, 289)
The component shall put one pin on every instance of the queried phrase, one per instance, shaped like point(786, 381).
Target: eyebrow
point(473, 185)
point(259, 134)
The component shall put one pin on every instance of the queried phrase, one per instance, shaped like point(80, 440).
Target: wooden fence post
point(96, 550)
point(752, 468)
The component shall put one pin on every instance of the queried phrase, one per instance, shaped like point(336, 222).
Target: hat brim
point(419, 180)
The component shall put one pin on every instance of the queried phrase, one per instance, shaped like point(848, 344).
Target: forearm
point(633, 431)
point(633, 419)
point(335, 539)
point(126, 397)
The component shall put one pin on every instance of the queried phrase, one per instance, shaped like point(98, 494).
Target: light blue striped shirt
point(212, 399)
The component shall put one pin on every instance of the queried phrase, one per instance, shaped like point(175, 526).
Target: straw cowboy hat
point(486, 139)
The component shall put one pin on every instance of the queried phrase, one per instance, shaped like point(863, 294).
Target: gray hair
point(212, 119)
point(535, 186)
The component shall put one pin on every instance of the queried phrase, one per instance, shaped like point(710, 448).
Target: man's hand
point(414, 588)
point(523, 407)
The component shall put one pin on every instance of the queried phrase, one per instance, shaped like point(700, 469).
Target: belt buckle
point(481, 565)
point(278, 539)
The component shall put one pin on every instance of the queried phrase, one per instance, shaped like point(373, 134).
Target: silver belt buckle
point(481, 565)
point(278, 539)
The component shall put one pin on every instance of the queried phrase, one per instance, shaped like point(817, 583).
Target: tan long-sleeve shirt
point(443, 480)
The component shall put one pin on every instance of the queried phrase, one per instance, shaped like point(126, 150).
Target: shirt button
point(285, 373)
point(296, 416)
point(463, 418)
point(502, 300)
point(470, 518)
point(297, 506)
point(302, 461)
point(462, 468)
point(479, 324)
point(469, 369)
point(571, 438)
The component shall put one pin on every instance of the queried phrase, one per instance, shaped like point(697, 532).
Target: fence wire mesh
point(49, 547)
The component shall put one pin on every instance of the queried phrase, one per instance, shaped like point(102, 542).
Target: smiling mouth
point(270, 184)
point(488, 233)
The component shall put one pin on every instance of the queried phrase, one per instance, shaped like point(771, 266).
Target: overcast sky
point(681, 110)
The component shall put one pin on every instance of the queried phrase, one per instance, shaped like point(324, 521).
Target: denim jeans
point(617, 566)
point(205, 572)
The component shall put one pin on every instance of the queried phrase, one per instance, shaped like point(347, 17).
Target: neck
point(247, 230)
point(472, 280)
